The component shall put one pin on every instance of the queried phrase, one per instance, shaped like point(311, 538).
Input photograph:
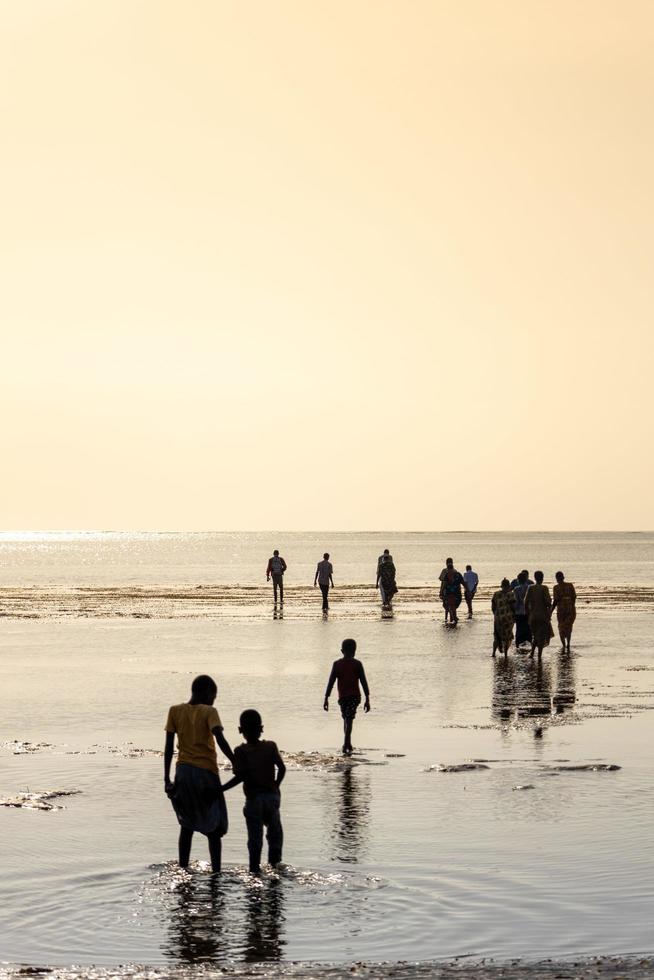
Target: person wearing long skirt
point(522, 629)
point(538, 604)
point(451, 592)
point(386, 580)
point(503, 606)
point(565, 603)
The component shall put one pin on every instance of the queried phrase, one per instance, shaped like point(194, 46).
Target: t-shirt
point(255, 762)
point(277, 565)
point(324, 571)
point(194, 724)
point(471, 580)
point(348, 671)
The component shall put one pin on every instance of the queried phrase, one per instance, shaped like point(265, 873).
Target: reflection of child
point(348, 672)
point(196, 794)
point(254, 765)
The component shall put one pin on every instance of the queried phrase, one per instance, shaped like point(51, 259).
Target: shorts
point(349, 706)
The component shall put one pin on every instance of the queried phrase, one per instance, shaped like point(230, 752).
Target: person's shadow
point(264, 937)
point(195, 933)
point(350, 829)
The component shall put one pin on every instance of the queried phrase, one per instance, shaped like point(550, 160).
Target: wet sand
point(606, 967)
point(252, 601)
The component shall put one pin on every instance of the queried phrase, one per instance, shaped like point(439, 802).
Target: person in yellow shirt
point(196, 793)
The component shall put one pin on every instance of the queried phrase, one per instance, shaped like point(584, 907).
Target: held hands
point(366, 706)
point(168, 786)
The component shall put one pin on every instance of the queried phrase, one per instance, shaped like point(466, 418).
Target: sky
point(337, 265)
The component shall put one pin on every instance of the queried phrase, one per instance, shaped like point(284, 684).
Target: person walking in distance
point(538, 606)
point(450, 591)
point(386, 580)
point(324, 577)
point(276, 568)
point(470, 583)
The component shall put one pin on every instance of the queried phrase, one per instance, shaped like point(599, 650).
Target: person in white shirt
point(471, 580)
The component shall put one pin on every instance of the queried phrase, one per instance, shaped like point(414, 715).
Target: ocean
point(492, 808)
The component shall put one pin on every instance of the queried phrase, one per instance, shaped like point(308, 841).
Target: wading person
point(565, 603)
point(276, 569)
point(324, 577)
point(522, 628)
point(503, 606)
point(260, 767)
point(470, 584)
point(538, 606)
point(386, 580)
point(196, 793)
point(450, 592)
point(347, 673)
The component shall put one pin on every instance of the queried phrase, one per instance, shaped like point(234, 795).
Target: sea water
point(542, 848)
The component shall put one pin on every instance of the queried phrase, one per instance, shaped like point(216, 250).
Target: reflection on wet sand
point(350, 830)
point(264, 940)
point(565, 696)
point(211, 921)
point(522, 688)
point(196, 930)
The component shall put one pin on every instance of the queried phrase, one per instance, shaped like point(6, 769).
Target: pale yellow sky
point(344, 265)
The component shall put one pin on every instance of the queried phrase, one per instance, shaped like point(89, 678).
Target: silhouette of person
point(348, 672)
point(565, 603)
point(324, 577)
point(538, 606)
point(386, 579)
point(470, 585)
point(276, 568)
point(450, 590)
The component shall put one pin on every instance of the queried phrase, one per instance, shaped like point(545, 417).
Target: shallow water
point(389, 856)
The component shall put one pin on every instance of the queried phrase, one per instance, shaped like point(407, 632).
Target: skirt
point(198, 800)
point(522, 629)
point(566, 618)
point(542, 631)
point(452, 601)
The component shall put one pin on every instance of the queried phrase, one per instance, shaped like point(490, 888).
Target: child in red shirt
point(348, 672)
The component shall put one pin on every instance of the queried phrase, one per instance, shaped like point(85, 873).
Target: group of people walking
point(528, 605)
point(196, 792)
point(522, 604)
point(324, 578)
